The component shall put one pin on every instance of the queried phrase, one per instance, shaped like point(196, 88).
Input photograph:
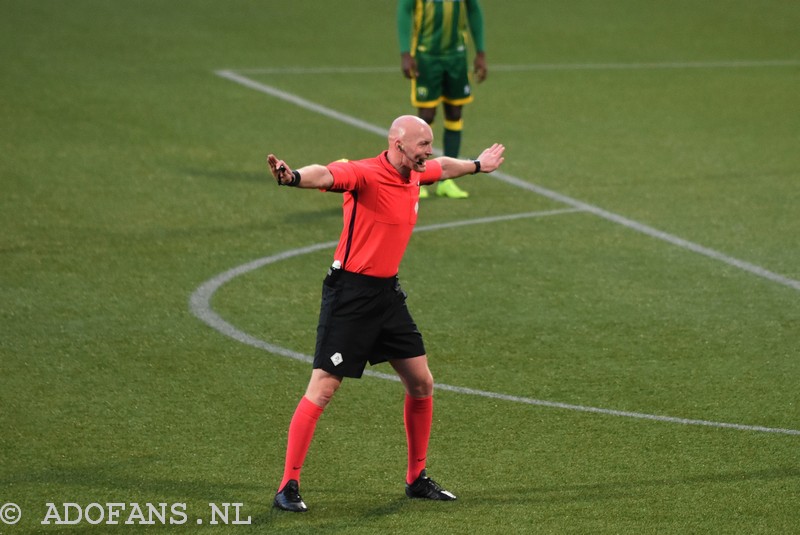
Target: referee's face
point(419, 147)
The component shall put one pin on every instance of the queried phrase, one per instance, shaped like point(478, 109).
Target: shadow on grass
point(332, 512)
point(112, 478)
point(617, 490)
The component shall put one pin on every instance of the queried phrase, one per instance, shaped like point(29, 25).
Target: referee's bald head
point(410, 144)
point(407, 126)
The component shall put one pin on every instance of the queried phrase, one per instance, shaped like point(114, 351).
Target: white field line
point(734, 64)
point(742, 64)
point(514, 181)
point(303, 103)
point(200, 302)
point(200, 305)
point(650, 231)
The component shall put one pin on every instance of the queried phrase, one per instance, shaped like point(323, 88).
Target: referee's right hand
point(280, 171)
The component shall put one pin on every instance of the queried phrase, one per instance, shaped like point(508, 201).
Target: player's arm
point(405, 13)
point(489, 160)
point(475, 21)
point(313, 176)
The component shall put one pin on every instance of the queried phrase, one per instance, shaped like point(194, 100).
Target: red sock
point(418, 416)
point(301, 431)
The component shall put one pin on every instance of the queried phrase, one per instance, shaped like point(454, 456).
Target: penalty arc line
point(200, 306)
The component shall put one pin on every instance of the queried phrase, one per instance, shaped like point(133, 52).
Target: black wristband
point(295, 179)
point(477, 167)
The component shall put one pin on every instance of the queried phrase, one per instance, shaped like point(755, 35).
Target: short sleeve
point(433, 172)
point(347, 175)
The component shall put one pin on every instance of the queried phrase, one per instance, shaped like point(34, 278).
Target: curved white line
point(200, 306)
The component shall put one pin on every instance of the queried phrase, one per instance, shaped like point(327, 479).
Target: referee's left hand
point(492, 157)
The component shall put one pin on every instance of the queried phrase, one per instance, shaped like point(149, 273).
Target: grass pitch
point(594, 378)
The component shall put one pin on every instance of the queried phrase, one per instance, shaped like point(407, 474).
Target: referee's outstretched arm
point(489, 160)
point(311, 176)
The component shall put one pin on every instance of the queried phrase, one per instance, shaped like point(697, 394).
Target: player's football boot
point(425, 487)
point(423, 192)
point(288, 498)
point(448, 188)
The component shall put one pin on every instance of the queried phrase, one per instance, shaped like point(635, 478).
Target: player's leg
point(417, 410)
point(321, 388)
point(453, 124)
point(402, 338)
point(328, 370)
point(415, 376)
point(427, 114)
point(456, 92)
point(418, 418)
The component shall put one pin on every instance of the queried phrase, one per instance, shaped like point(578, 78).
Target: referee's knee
point(322, 387)
point(421, 386)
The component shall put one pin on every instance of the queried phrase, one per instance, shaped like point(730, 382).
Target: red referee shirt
point(380, 211)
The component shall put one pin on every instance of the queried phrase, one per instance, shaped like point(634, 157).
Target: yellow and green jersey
point(439, 27)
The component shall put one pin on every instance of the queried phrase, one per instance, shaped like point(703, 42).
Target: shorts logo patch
point(336, 358)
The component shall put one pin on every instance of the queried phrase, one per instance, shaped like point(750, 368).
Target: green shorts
point(441, 79)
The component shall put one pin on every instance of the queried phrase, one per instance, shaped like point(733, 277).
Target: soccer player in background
point(363, 314)
point(433, 38)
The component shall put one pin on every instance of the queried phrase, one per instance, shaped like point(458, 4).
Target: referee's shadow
point(527, 495)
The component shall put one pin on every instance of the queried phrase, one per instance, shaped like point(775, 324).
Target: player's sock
point(418, 416)
point(452, 137)
point(301, 431)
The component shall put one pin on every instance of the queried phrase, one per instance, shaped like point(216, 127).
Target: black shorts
point(363, 319)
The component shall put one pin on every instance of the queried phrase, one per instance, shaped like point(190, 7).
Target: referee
point(363, 314)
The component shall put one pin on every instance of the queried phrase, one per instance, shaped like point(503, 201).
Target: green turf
point(132, 174)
